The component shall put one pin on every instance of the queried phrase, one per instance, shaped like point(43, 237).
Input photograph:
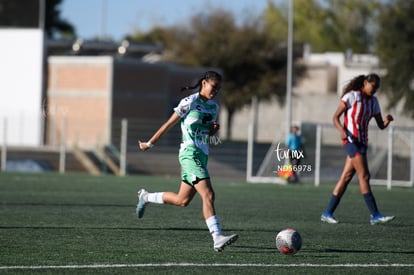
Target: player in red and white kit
point(358, 105)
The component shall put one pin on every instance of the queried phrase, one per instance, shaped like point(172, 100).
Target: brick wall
point(79, 100)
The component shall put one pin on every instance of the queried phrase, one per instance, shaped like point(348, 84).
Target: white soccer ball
point(288, 241)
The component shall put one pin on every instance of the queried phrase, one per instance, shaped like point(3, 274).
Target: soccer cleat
point(380, 218)
point(328, 218)
point(223, 241)
point(141, 203)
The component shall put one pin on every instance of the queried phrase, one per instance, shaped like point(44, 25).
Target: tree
point(54, 24)
point(26, 14)
point(351, 23)
point(252, 62)
point(395, 41)
point(325, 24)
point(308, 20)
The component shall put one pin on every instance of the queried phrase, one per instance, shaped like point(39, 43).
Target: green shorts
point(193, 165)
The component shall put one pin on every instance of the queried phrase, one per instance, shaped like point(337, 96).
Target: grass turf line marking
point(92, 266)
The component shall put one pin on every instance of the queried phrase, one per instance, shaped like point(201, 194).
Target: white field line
point(94, 266)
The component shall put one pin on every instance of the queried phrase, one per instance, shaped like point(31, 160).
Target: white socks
point(155, 198)
point(213, 223)
point(214, 227)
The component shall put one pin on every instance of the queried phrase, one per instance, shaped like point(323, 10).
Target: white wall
point(310, 108)
point(314, 99)
point(21, 58)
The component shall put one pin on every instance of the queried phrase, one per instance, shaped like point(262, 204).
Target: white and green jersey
point(197, 117)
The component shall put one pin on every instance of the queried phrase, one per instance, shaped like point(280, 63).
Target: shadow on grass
point(188, 229)
point(42, 204)
point(329, 250)
point(102, 228)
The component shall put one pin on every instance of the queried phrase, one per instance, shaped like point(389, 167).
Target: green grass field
point(81, 224)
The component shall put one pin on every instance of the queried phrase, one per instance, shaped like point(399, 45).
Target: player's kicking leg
point(222, 241)
point(142, 202)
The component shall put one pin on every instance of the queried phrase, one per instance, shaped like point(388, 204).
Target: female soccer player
point(358, 105)
point(197, 114)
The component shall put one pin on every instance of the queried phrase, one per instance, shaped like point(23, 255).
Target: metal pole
point(289, 68)
point(250, 141)
point(42, 14)
point(318, 155)
point(123, 146)
point(389, 161)
point(103, 19)
point(251, 137)
point(4, 147)
point(412, 160)
point(253, 118)
point(62, 153)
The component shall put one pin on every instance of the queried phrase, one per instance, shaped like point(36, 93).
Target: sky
point(117, 18)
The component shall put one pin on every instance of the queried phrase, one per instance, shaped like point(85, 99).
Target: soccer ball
point(288, 241)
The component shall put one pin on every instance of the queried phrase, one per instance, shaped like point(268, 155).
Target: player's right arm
point(144, 146)
point(337, 119)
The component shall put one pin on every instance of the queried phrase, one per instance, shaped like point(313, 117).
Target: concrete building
point(315, 98)
point(88, 96)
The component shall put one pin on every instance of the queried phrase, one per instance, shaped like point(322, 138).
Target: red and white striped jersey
point(360, 108)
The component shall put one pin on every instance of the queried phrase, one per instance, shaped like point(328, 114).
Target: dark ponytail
point(206, 76)
point(357, 83)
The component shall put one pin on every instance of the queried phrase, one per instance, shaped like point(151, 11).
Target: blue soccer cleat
point(328, 218)
point(380, 218)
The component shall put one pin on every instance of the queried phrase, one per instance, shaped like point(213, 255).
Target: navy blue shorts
point(355, 149)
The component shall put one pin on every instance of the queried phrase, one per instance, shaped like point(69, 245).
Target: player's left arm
point(161, 131)
point(214, 128)
point(383, 123)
